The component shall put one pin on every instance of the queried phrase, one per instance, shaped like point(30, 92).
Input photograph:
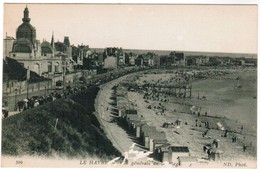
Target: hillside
point(77, 133)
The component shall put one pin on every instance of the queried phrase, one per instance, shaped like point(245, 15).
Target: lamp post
point(64, 73)
point(15, 99)
point(27, 88)
point(45, 90)
point(48, 83)
point(28, 78)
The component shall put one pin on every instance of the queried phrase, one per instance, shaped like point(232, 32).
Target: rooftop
point(146, 129)
point(179, 148)
point(131, 111)
point(156, 135)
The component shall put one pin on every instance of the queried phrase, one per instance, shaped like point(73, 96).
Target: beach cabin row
point(152, 139)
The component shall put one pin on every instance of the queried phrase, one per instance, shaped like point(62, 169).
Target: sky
point(210, 28)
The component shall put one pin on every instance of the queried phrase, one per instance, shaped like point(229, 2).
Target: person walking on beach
point(241, 129)
point(209, 153)
point(234, 139)
point(244, 148)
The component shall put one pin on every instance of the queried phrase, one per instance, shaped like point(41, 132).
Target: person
point(205, 133)
point(36, 103)
point(204, 149)
point(215, 143)
point(25, 106)
point(6, 113)
point(209, 153)
point(244, 148)
point(226, 133)
point(20, 105)
point(242, 129)
point(207, 125)
point(233, 139)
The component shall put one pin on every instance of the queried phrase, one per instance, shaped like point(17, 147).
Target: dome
point(46, 47)
point(26, 30)
point(22, 46)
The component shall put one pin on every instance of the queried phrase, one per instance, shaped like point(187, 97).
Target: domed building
point(26, 49)
point(39, 57)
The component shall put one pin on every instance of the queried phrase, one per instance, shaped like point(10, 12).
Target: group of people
point(35, 101)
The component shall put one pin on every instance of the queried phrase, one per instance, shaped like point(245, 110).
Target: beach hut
point(156, 137)
point(167, 125)
point(145, 133)
point(128, 112)
point(187, 161)
point(176, 151)
point(121, 91)
point(122, 104)
point(158, 142)
point(153, 136)
point(137, 128)
point(132, 121)
point(161, 153)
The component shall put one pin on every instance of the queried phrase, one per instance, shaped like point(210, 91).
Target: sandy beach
point(225, 103)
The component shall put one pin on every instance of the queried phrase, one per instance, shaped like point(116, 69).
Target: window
point(14, 55)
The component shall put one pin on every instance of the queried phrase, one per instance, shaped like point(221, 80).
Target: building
point(113, 58)
point(177, 151)
point(145, 135)
point(139, 60)
point(156, 138)
point(26, 49)
point(45, 57)
point(8, 45)
point(168, 153)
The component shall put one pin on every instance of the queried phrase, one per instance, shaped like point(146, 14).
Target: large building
point(45, 57)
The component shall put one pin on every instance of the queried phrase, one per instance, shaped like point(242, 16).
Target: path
point(118, 136)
